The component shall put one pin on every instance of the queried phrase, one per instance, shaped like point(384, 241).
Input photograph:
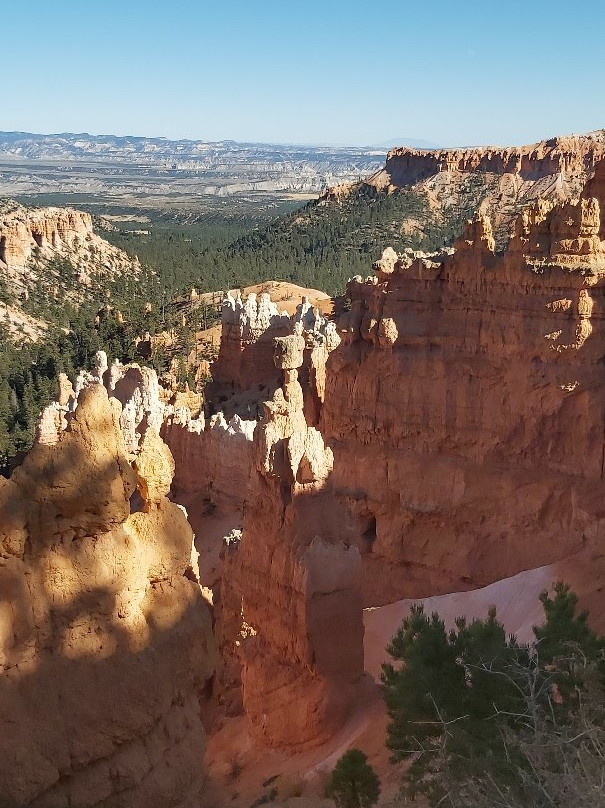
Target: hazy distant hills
point(204, 154)
point(156, 167)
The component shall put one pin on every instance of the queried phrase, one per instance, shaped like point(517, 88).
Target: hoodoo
point(106, 638)
point(293, 581)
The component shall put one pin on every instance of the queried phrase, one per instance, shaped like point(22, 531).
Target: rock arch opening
point(369, 535)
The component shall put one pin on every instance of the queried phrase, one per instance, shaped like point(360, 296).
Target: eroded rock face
point(510, 178)
point(465, 406)
point(31, 238)
point(248, 328)
point(213, 459)
point(214, 456)
point(105, 637)
point(246, 355)
point(574, 157)
point(135, 393)
point(50, 229)
point(290, 584)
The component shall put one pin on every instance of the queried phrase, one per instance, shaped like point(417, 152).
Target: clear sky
point(356, 72)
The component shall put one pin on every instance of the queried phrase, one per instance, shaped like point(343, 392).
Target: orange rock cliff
point(32, 238)
point(447, 434)
point(465, 405)
point(461, 439)
point(22, 231)
point(572, 157)
point(106, 637)
point(495, 180)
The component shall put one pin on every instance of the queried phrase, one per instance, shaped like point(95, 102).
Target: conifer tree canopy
point(354, 783)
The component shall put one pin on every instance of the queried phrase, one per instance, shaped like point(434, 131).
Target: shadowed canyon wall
point(106, 638)
point(291, 581)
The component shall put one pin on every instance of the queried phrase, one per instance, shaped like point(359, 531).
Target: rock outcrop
point(573, 157)
point(53, 254)
point(105, 638)
point(497, 181)
point(214, 455)
point(212, 459)
point(246, 349)
point(44, 233)
point(245, 360)
point(290, 585)
point(465, 407)
point(52, 230)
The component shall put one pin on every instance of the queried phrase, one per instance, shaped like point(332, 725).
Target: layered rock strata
point(212, 459)
point(494, 180)
point(105, 638)
point(289, 584)
point(53, 253)
point(570, 157)
point(23, 230)
point(50, 232)
point(465, 407)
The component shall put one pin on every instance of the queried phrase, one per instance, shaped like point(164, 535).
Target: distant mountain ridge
point(132, 165)
point(164, 144)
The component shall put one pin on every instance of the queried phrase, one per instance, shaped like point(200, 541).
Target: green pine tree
point(354, 783)
point(472, 711)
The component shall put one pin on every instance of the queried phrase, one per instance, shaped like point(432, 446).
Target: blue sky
point(452, 73)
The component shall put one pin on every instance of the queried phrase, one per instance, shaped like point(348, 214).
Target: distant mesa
point(499, 181)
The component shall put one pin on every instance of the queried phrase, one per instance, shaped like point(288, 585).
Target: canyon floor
point(240, 771)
